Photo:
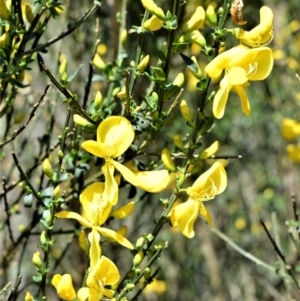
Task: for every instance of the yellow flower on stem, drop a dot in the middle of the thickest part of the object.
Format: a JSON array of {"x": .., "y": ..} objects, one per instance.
[
  {"x": 206, "y": 187},
  {"x": 114, "y": 136},
  {"x": 290, "y": 129},
  {"x": 241, "y": 65},
  {"x": 64, "y": 286},
  {"x": 293, "y": 152},
  {"x": 95, "y": 212},
  {"x": 260, "y": 35},
  {"x": 104, "y": 273},
  {"x": 153, "y": 24}
]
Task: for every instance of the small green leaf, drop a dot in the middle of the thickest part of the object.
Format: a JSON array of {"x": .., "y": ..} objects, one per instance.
[
  {"x": 74, "y": 73},
  {"x": 158, "y": 74},
  {"x": 37, "y": 278}
]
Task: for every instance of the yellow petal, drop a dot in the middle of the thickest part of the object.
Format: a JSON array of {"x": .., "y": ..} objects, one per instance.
[
  {"x": 196, "y": 21},
  {"x": 64, "y": 286},
  {"x": 290, "y": 129},
  {"x": 205, "y": 213},
  {"x": 116, "y": 236},
  {"x": 95, "y": 148},
  {"x": 209, "y": 184},
  {"x": 243, "y": 98},
  {"x": 74, "y": 215},
  {"x": 111, "y": 187},
  {"x": 95, "y": 250},
  {"x": 153, "y": 181},
  {"x": 236, "y": 76},
  {"x": 128, "y": 175},
  {"x": 116, "y": 132},
  {"x": 83, "y": 294},
  {"x": 123, "y": 211},
  {"x": 153, "y": 24},
  {"x": 184, "y": 216},
  {"x": 221, "y": 98},
  {"x": 263, "y": 58},
  {"x": 210, "y": 151}
]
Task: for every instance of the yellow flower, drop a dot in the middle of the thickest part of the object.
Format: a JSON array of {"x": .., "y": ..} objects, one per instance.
[
  {"x": 290, "y": 129},
  {"x": 104, "y": 273},
  {"x": 4, "y": 11},
  {"x": 152, "y": 181},
  {"x": 262, "y": 34},
  {"x": 293, "y": 152},
  {"x": 64, "y": 286},
  {"x": 206, "y": 187},
  {"x": 153, "y": 24},
  {"x": 153, "y": 9},
  {"x": 241, "y": 64},
  {"x": 210, "y": 151},
  {"x": 95, "y": 212},
  {"x": 114, "y": 136}
]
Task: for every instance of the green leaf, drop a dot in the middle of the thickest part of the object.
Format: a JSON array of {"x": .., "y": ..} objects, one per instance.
[
  {"x": 158, "y": 74},
  {"x": 37, "y": 278},
  {"x": 75, "y": 72}
]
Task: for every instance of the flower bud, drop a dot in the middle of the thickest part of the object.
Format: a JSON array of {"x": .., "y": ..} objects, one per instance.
[
  {"x": 197, "y": 74},
  {"x": 29, "y": 14},
  {"x": 63, "y": 67},
  {"x": 167, "y": 160},
  {"x": 36, "y": 259},
  {"x": 178, "y": 142},
  {"x": 140, "y": 243},
  {"x": 200, "y": 40},
  {"x": 147, "y": 273},
  {"x": 138, "y": 258},
  {"x": 211, "y": 15},
  {"x": 196, "y": 21},
  {"x": 129, "y": 287},
  {"x": 80, "y": 120},
  {"x": 28, "y": 297},
  {"x": 47, "y": 168},
  {"x": 98, "y": 62},
  {"x": 4, "y": 12},
  {"x": 83, "y": 242},
  {"x": 124, "y": 36},
  {"x": 179, "y": 80},
  {"x": 152, "y": 8},
  {"x": 185, "y": 111},
  {"x": 56, "y": 192},
  {"x": 143, "y": 64},
  {"x": 153, "y": 24},
  {"x": 43, "y": 238},
  {"x": 98, "y": 101},
  {"x": 4, "y": 40}
]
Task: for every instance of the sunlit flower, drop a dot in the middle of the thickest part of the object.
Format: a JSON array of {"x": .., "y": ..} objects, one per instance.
[
  {"x": 196, "y": 21},
  {"x": 241, "y": 65},
  {"x": 206, "y": 187},
  {"x": 95, "y": 212},
  {"x": 153, "y": 24},
  {"x": 262, "y": 34},
  {"x": 290, "y": 129},
  {"x": 64, "y": 286},
  {"x": 104, "y": 273},
  {"x": 114, "y": 136},
  {"x": 152, "y": 181},
  {"x": 157, "y": 286}
]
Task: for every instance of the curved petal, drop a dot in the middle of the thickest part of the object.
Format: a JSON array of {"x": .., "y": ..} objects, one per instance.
[
  {"x": 123, "y": 211},
  {"x": 116, "y": 236},
  {"x": 153, "y": 181},
  {"x": 105, "y": 271},
  {"x": 111, "y": 187},
  {"x": 205, "y": 213},
  {"x": 209, "y": 184},
  {"x": 210, "y": 151},
  {"x": 221, "y": 98},
  {"x": 184, "y": 215},
  {"x": 95, "y": 250},
  {"x": 116, "y": 132},
  {"x": 128, "y": 175},
  {"x": 264, "y": 60},
  {"x": 93, "y": 193},
  {"x": 74, "y": 215},
  {"x": 65, "y": 289},
  {"x": 95, "y": 148},
  {"x": 243, "y": 98}
]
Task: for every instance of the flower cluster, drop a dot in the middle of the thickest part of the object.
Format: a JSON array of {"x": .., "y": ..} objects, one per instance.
[
  {"x": 114, "y": 136},
  {"x": 249, "y": 61}
]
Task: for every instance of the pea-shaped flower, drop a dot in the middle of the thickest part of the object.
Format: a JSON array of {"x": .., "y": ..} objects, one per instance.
[
  {"x": 241, "y": 65},
  {"x": 207, "y": 186},
  {"x": 114, "y": 136},
  {"x": 64, "y": 286}
]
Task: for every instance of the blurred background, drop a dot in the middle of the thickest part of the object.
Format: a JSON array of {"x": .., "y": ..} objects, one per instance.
[{"x": 260, "y": 183}]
